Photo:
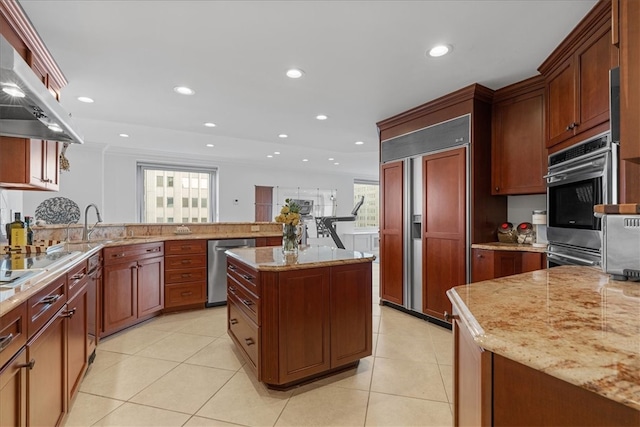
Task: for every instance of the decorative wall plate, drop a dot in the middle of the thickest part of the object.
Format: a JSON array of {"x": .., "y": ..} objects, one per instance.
[{"x": 58, "y": 210}]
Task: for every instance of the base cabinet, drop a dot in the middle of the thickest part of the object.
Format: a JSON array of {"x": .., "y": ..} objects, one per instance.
[
  {"x": 13, "y": 391},
  {"x": 294, "y": 325},
  {"x": 489, "y": 264},
  {"x": 185, "y": 274}
]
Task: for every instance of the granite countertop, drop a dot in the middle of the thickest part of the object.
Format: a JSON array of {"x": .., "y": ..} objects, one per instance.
[
  {"x": 271, "y": 258},
  {"x": 132, "y": 240},
  {"x": 571, "y": 322},
  {"x": 501, "y": 246}
]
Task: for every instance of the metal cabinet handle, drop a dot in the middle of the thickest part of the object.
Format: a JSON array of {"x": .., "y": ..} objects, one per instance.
[
  {"x": 77, "y": 276},
  {"x": 249, "y": 341},
  {"x": 153, "y": 250},
  {"x": 247, "y": 302},
  {"x": 186, "y": 261},
  {"x": 232, "y": 267},
  {"x": 233, "y": 321},
  {"x": 50, "y": 299},
  {"x": 450, "y": 317},
  {"x": 29, "y": 365},
  {"x": 232, "y": 289},
  {"x": 120, "y": 255},
  {"x": 247, "y": 277},
  {"x": 5, "y": 341},
  {"x": 69, "y": 313},
  {"x": 185, "y": 275},
  {"x": 186, "y": 294}
]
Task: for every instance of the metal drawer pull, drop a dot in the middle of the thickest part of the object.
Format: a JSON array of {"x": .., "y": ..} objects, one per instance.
[
  {"x": 49, "y": 299},
  {"x": 153, "y": 250},
  {"x": 249, "y": 341},
  {"x": 77, "y": 276},
  {"x": 233, "y": 321},
  {"x": 68, "y": 314},
  {"x": 29, "y": 365},
  {"x": 247, "y": 277},
  {"x": 449, "y": 317},
  {"x": 185, "y": 247},
  {"x": 247, "y": 302},
  {"x": 232, "y": 289},
  {"x": 232, "y": 267},
  {"x": 5, "y": 341},
  {"x": 186, "y": 261},
  {"x": 186, "y": 294},
  {"x": 185, "y": 275},
  {"x": 118, "y": 255}
]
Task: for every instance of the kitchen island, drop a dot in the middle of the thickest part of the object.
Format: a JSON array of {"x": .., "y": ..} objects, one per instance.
[
  {"x": 559, "y": 346},
  {"x": 295, "y": 318}
]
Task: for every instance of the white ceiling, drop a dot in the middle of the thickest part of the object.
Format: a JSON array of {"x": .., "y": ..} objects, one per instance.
[{"x": 364, "y": 62}]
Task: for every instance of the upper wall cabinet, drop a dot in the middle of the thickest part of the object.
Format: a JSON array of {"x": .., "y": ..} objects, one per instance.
[
  {"x": 577, "y": 80},
  {"x": 518, "y": 154}
]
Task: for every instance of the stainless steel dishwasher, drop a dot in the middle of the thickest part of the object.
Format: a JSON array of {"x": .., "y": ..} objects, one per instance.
[{"x": 217, "y": 268}]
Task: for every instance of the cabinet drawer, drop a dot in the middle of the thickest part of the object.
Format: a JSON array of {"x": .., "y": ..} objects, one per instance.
[
  {"x": 244, "y": 275},
  {"x": 181, "y": 247},
  {"x": 45, "y": 304},
  {"x": 247, "y": 302},
  {"x": 13, "y": 332},
  {"x": 185, "y": 261},
  {"x": 184, "y": 294},
  {"x": 125, "y": 253},
  {"x": 185, "y": 275},
  {"x": 76, "y": 278},
  {"x": 245, "y": 333}
]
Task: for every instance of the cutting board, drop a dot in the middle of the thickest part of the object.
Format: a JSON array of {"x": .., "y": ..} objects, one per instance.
[{"x": 625, "y": 208}]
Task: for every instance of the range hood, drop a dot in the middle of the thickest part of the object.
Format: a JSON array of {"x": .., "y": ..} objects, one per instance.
[{"x": 27, "y": 108}]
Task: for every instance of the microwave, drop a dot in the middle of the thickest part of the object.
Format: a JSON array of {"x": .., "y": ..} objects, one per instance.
[{"x": 621, "y": 246}]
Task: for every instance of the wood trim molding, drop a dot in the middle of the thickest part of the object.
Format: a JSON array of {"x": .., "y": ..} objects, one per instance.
[
  {"x": 520, "y": 88},
  {"x": 21, "y": 24},
  {"x": 599, "y": 15}
]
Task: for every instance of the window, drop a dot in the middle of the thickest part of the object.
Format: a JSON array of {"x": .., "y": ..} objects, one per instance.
[
  {"x": 368, "y": 212},
  {"x": 196, "y": 192}
]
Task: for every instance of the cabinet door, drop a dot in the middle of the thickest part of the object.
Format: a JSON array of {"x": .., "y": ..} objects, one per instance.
[
  {"x": 13, "y": 391},
  {"x": 47, "y": 380},
  {"x": 561, "y": 103},
  {"x": 304, "y": 324},
  {"x": 77, "y": 346},
  {"x": 482, "y": 265},
  {"x": 391, "y": 231},
  {"x": 51, "y": 165},
  {"x": 507, "y": 263},
  {"x": 518, "y": 146},
  {"x": 150, "y": 286},
  {"x": 444, "y": 228},
  {"x": 120, "y": 296},
  {"x": 350, "y": 313}
]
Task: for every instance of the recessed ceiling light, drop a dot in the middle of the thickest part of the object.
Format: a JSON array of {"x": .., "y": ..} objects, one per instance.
[
  {"x": 13, "y": 90},
  {"x": 305, "y": 160},
  {"x": 270, "y": 156},
  {"x": 440, "y": 50},
  {"x": 336, "y": 163},
  {"x": 54, "y": 127},
  {"x": 359, "y": 142},
  {"x": 295, "y": 73},
  {"x": 321, "y": 117},
  {"x": 183, "y": 90},
  {"x": 210, "y": 125},
  {"x": 85, "y": 99},
  {"x": 331, "y": 159},
  {"x": 283, "y": 135},
  {"x": 124, "y": 135},
  {"x": 276, "y": 152},
  {"x": 210, "y": 145}
]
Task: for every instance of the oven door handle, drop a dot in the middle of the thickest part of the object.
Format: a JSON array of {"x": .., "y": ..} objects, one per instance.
[
  {"x": 571, "y": 169},
  {"x": 571, "y": 257}
]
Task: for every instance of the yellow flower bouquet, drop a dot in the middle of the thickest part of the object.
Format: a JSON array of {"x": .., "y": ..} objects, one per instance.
[{"x": 291, "y": 227}]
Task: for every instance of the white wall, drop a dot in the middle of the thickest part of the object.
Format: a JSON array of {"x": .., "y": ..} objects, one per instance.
[
  {"x": 107, "y": 177},
  {"x": 519, "y": 208}
]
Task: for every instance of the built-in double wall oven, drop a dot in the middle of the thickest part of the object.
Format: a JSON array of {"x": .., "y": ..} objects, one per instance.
[{"x": 579, "y": 177}]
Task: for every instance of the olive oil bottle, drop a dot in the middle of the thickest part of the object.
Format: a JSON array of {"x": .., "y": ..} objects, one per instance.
[{"x": 18, "y": 232}]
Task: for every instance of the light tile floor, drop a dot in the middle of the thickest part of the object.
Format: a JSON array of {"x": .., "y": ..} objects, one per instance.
[{"x": 183, "y": 370}]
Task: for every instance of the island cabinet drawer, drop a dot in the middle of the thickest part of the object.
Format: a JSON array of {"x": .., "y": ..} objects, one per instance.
[
  {"x": 181, "y": 247},
  {"x": 247, "y": 302},
  {"x": 42, "y": 306},
  {"x": 183, "y": 294},
  {"x": 76, "y": 278},
  {"x": 136, "y": 252},
  {"x": 245, "y": 333},
  {"x": 185, "y": 275},
  {"x": 13, "y": 332},
  {"x": 185, "y": 261},
  {"x": 244, "y": 275}
]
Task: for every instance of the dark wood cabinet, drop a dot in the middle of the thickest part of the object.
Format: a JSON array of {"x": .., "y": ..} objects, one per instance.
[
  {"x": 443, "y": 228},
  {"x": 29, "y": 164},
  {"x": 518, "y": 153},
  {"x": 13, "y": 391},
  {"x": 133, "y": 285},
  {"x": 489, "y": 264},
  {"x": 185, "y": 274},
  {"x": 391, "y": 231},
  {"x": 577, "y": 80},
  {"x": 268, "y": 241},
  {"x": 77, "y": 327},
  {"x": 294, "y": 325}
]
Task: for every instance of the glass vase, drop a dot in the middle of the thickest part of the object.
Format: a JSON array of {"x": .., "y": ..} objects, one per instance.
[{"x": 290, "y": 239}]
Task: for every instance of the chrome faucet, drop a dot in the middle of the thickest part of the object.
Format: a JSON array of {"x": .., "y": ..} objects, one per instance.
[{"x": 85, "y": 231}]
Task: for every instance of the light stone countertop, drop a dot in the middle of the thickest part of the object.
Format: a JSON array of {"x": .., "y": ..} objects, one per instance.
[
  {"x": 271, "y": 258},
  {"x": 501, "y": 246},
  {"x": 573, "y": 323}
]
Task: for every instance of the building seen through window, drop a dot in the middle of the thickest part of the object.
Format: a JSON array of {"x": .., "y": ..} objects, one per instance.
[{"x": 368, "y": 212}]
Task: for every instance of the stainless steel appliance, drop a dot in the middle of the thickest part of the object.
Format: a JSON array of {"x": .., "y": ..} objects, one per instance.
[
  {"x": 622, "y": 246},
  {"x": 217, "y": 268},
  {"x": 579, "y": 178}
]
